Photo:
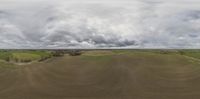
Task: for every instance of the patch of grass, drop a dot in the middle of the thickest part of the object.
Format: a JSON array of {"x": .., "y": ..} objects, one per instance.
[
  {"x": 195, "y": 55},
  {"x": 5, "y": 55},
  {"x": 98, "y": 53},
  {"x": 4, "y": 65},
  {"x": 133, "y": 52},
  {"x": 191, "y": 53},
  {"x": 41, "y": 53},
  {"x": 25, "y": 57}
]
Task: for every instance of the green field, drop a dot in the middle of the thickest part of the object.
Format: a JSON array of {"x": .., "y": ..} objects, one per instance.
[
  {"x": 23, "y": 56},
  {"x": 102, "y": 74}
]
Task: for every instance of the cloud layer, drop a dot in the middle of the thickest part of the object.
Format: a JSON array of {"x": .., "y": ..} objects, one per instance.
[{"x": 105, "y": 24}]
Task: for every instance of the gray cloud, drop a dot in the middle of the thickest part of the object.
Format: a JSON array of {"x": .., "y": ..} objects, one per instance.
[{"x": 105, "y": 24}]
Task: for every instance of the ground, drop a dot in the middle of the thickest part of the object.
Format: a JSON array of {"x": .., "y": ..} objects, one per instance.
[{"x": 108, "y": 74}]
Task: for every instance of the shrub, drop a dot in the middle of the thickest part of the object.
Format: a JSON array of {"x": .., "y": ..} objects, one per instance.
[
  {"x": 182, "y": 52},
  {"x": 57, "y": 53},
  {"x": 75, "y": 53}
]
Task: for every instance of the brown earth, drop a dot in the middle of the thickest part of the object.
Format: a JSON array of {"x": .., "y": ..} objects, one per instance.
[{"x": 114, "y": 77}]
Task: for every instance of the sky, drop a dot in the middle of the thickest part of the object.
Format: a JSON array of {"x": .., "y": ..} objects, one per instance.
[{"x": 46, "y": 24}]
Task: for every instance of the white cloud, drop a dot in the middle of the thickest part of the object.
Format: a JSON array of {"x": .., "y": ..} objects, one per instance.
[{"x": 94, "y": 24}]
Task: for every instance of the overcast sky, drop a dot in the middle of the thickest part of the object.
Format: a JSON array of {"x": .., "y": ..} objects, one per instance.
[{"x": 99, "y": 24}]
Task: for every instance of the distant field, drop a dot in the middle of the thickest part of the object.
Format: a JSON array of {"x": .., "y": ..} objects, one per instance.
[
  {"x": 102, "y": 74},
  {"x": 23, "y": 56}
]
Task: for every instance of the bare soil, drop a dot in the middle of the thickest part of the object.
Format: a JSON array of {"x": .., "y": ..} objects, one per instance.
[{"x": 121, "y": 76}]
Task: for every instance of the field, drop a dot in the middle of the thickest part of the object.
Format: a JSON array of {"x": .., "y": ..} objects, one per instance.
[
  {"x": 23, "y": 56},
  {"x": 101, "y": 74}
]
